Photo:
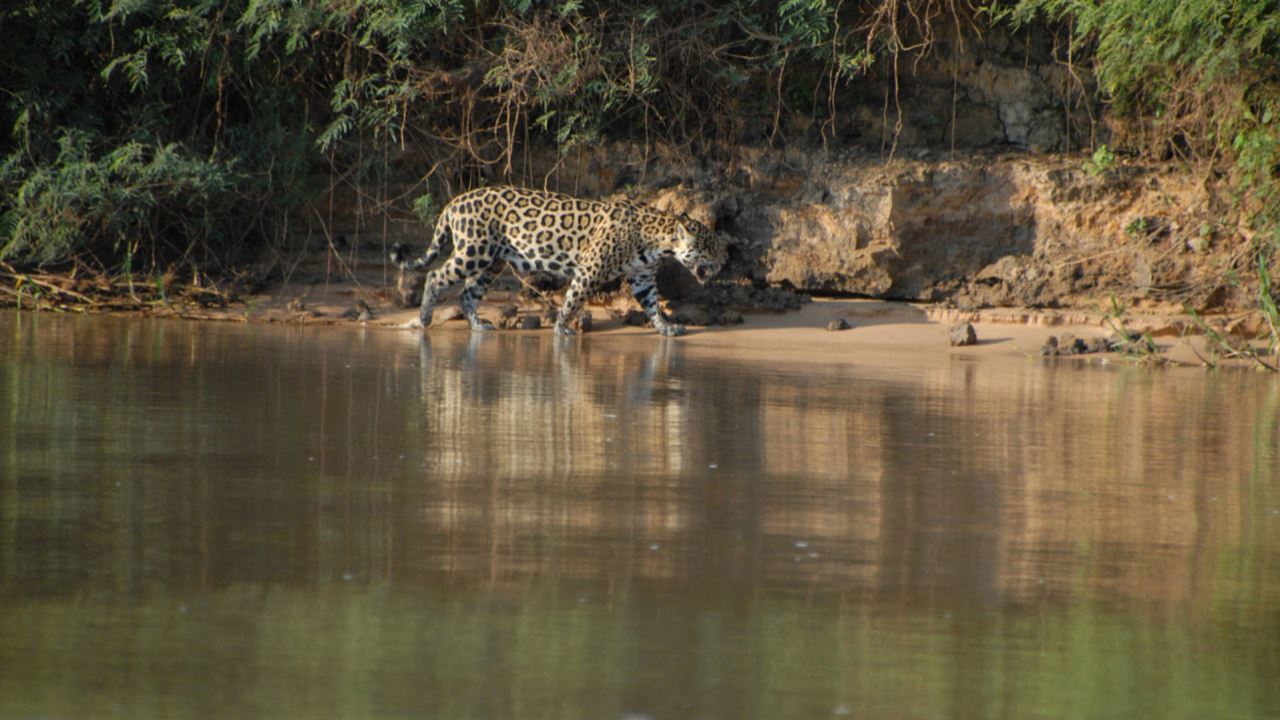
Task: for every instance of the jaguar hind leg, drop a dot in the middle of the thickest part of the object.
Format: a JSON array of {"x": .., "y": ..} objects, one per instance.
[
  {"x": 453, "y": 271},
  {"x": 431, "y": 287},
  {"x": 473, "y": 291}
]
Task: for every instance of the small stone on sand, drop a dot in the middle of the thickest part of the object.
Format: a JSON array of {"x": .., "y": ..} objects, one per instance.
[{"x": 962, "y": 334}]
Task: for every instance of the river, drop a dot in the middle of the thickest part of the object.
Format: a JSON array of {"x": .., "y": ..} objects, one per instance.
[{"x": 213, "y": 520}]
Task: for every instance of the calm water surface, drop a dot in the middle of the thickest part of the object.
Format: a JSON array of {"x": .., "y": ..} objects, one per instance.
[{"x": 223, "y": 521}]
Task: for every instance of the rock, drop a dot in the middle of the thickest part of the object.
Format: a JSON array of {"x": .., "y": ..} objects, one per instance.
[
  {"x": 1135, "y": 344},
  {"x": 730, "y": 317},
  {"x": 1069, "y": 344},
  {"x": 509, "y": 317},
  {"x": 530, "y": 322},
  {"x": 753, "y": 297},
  {"x": 699, "y": 315},
  {"x": 962, "y": 334},
  {"x": 837, "y": 325},
  {"x": 704, "y": 315},
  {"x": 977, "y": 125},
  {"x": 584, "y": 322},
  {"x": 361, "y": 313},
  {"x": 635, "y": 318}
]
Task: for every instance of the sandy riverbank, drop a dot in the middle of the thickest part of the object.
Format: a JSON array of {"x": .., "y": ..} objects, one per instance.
[{"x": 879, "y": 331}]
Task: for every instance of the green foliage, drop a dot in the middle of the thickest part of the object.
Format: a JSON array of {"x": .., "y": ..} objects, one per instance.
[
  {"x": 424, "y": 206},
  {"x": 107, "y": 201},
  {"x": 1101, "y": 162},
  {"x": 1137, "y": 227},
  {"x": 1206, "y": 74},
  {"x": 1149, "y": 50},
  {"x": 1141, "y": 347},
  {"x": 191, "y": 129}
]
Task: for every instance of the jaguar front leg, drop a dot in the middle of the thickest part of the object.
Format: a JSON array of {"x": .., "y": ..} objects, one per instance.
[
  {"x": 645, "y": 289},
  {"x": 579, "y": 290},
  {"x": 589, "y": 275}
]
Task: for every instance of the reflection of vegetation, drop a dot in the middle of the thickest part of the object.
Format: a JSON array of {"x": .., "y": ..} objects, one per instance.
[{"x": 379, "y": 652}]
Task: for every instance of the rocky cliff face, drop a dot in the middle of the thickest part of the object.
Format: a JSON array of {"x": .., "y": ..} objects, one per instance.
[
  {"x": 982, "y": 230},
  {"x": 1006, "y": 91}
]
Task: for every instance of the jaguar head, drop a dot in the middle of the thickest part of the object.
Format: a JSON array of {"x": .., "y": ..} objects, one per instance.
[{"x": 698, "y": 249}]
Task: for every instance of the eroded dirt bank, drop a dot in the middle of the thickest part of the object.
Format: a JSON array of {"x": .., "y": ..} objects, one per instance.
[
  {"x": 1042, "y": 241},
  {"x": 1008, "y": 236},
  {"x": 983, "y": 231}
]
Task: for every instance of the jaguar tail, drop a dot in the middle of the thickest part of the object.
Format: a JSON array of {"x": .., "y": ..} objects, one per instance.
[{"x": 400, "y": 256}]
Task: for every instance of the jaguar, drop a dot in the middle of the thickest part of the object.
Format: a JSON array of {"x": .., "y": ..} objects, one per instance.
[{"x": 587, "y": 242}]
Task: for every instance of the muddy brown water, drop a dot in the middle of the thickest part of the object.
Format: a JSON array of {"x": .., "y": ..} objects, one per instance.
[{"x": 217, "y": 520}]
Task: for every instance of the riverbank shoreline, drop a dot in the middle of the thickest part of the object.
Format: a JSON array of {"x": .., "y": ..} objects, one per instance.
[{"x": 873, "y": 331}]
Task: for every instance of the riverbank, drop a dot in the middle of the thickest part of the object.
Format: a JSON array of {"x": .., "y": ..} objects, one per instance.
[
  {"x": 358, "y": 288},
  {"x": 877, "y": 331}
]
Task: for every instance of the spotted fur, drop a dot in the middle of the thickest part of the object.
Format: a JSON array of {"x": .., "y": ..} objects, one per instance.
[{"x": 588, "y": 242}]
